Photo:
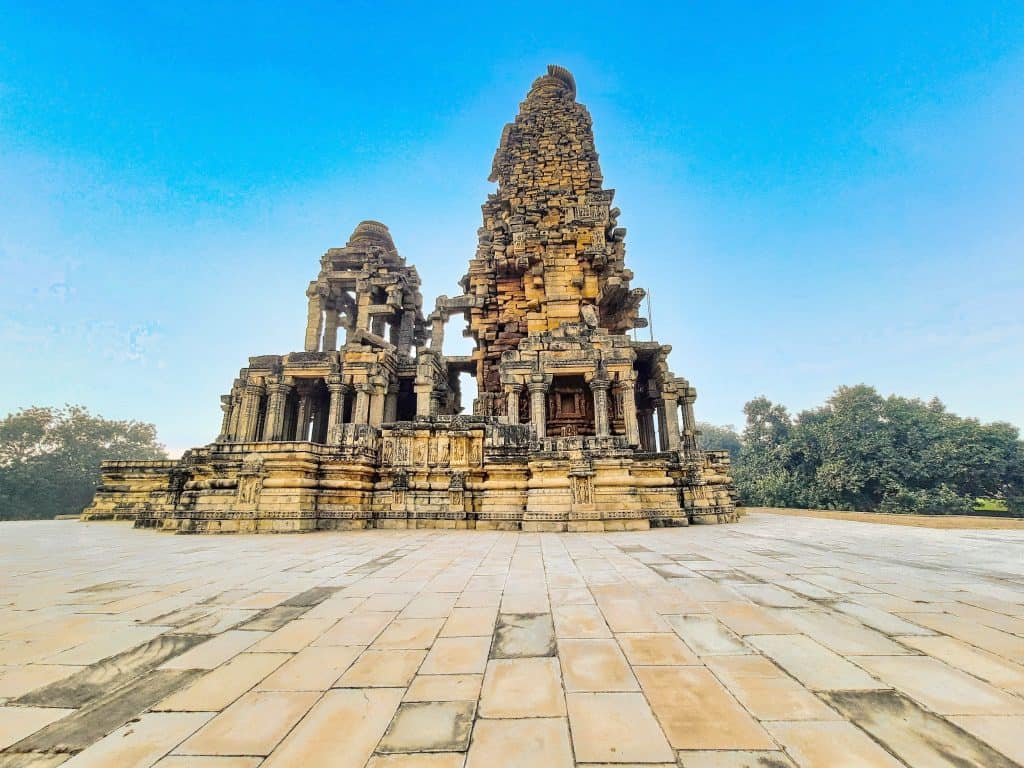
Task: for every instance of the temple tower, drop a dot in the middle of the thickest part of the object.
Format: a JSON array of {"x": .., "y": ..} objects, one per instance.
[{"x": 549, "y": 247}]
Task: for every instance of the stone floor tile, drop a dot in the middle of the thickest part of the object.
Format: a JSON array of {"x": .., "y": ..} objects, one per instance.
[
  {"x": 841, "y": 634},
  {"x": 754, "y": 665},
  {"x": 989, "y": 667},
  {"x": 386, "y": 602},
  {"x": 777, "y": 698},
  {"x": 490, "y": 598},
  {"x": 218, "y": 688},
  {"x": 17, "y": 681},
  {"x": 429, "y": 607},
  {"x": 312, "y": 669},
  {"x": 579, "y": 621},
  {"x": 916, "y": 736},
  {"x": 940, "y": 687},
  {"x": 595, "y": 665},
  {"x": 515, "y": 688},
  {"x": 527, "y": 743},
  {"x": 262, "y": 600},
  {"x": 444, "y": 688},
  {"x": 879, "y": 619},
  {"x": 457, "y": 656},
  {"x": 382, "y": 669},
  {"x": 749, "y": 619},
  {"x": 645, "y": 649},
  {"x": 293, "y": 636},
  {"x": 356, "y": 629},
  {"x": 771, "y": 596},
  {"x": 831, "y": 744},
  {"x": 520, "y": 635},
  {"x": 615, "y": 728},
  {"x": 525, "y": 602},
  {"x": 141, "y": 742},
  {"x": 214, "y": 651},
  {"x": 706, "y": 635},
  {"x": 429, "y": 726},
  {"x": 321, "y": 741},
  {"x": 696, "y": 711},
  {"x": 117, "y": 639},
  {"x": 409, "y": 633},
  {"x": 470, "y": 622},
  {"x": 734, "y": 759},
  {"x": 193, "y": 761},
  {"x": 812, "y": 664},
  {"x": 999, "y": 731},
  {"x": 628, "y": 614},
  {"x": 253, "y": 725},
  {"x": 993, "y": 640},
  {"x": 18, "y": 722},
  {"x": 422, "y": 760}
]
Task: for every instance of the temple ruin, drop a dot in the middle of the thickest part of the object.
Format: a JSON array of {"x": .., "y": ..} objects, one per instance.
[{"x": 576, "y": 425}]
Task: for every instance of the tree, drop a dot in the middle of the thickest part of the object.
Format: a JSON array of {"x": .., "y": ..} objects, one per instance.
[
  {"x": 715, "y": 438},
  {"x": 50, "y": 458},
  {"x": 863, "y": 451}
]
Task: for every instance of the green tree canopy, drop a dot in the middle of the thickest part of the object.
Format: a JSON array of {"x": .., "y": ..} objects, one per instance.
[
  {"x": 50, "y": 458},
  {"x": 863, "y": 451},
  {"x": 715, "y": 438}
]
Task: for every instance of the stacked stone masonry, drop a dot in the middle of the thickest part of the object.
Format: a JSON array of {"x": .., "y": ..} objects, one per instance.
[{"x": 576, "y": 426}]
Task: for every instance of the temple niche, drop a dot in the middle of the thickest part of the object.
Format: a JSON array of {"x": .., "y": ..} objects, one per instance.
[{"x": 576, "y": 426}]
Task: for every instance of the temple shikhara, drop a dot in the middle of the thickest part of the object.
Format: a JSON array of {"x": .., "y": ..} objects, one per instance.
[{"x": 576, "y": 425}]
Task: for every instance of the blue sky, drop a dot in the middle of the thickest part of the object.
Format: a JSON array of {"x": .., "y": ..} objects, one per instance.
[{"x": 816, "y": 193}]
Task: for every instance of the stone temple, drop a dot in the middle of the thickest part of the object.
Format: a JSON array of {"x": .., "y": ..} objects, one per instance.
[{"x": 576, "y": 426}]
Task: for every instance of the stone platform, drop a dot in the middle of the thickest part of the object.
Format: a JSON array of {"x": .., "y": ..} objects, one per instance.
[{"x": 778, "y": 641}]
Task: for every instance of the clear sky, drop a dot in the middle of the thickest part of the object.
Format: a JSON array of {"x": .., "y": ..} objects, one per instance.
[{"x": 816, "y": 193}]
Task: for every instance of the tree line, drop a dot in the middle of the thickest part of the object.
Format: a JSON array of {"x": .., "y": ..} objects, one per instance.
[
  {"x": 861, "y": 451},
  {"x": 50, "y": 458}
]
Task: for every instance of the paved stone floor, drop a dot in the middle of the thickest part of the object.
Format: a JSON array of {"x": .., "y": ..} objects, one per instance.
[{"x": 778, "y": 641}]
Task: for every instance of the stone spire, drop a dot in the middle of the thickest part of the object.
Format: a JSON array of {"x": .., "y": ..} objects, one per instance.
[{"x": 549, "y": 251}]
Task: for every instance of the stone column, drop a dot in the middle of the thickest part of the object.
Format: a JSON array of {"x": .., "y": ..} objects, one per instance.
[
  {"x": 225, "y": 423},
  {"x": 250, "y": 412},
  {"x": 599, "y": 388},
  {"x": 236, "y": 415},
  {"x": 391, "y": 405},
  {"x": 330, "y": 330},
  {"x": 689, "y": 424},
  {"x": 302, "y": 419},
  {"x": 338, "y": 391},
  {"x": 538, "y": 406},
  {"x": 314, "y": 320},
  {"x": 277, "y": 398},
  {"x": 377, "y": 393},
  {"x": 670, "y": 423},
  {"x": 626, "y": 390},
  {"x": 437, "y": 332},
  {"x": 659, "y": 412},
  {"x": 405, "y": 333},
  {"x": 512, "y": 402},
  {"x": 361, "y": 412}
]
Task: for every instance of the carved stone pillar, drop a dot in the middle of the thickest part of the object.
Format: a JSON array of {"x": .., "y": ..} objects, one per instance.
[
  {"x": 277, "y": 397},
  {"x": 689, "y": 396},
  {"x": 225, "y": 423},
  {"x": 538, "y": 405},
  {"x": 424, "y": 397},
  {"x": 338, "y": 391},
  {"x": 250, "y": 411},
  {"x": 599, "y": 388},
  {"x": 626, "y": 391},
  {"x": 437, "y": 332},
  {"x": 302, "y": 419},
  {"x": 330, "y": 330},
  {"x": 361, "y": 412},
  {"x": 670, "y": 422},
  {"x": 378, "y": 391},
  {"x": 236, "y": 414},
  {"x": 512, "y": 402},
  {"x": 659, "y": 414},
  {"x": 314, "y": 320},
  {"x": 391, "y": 405}
]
